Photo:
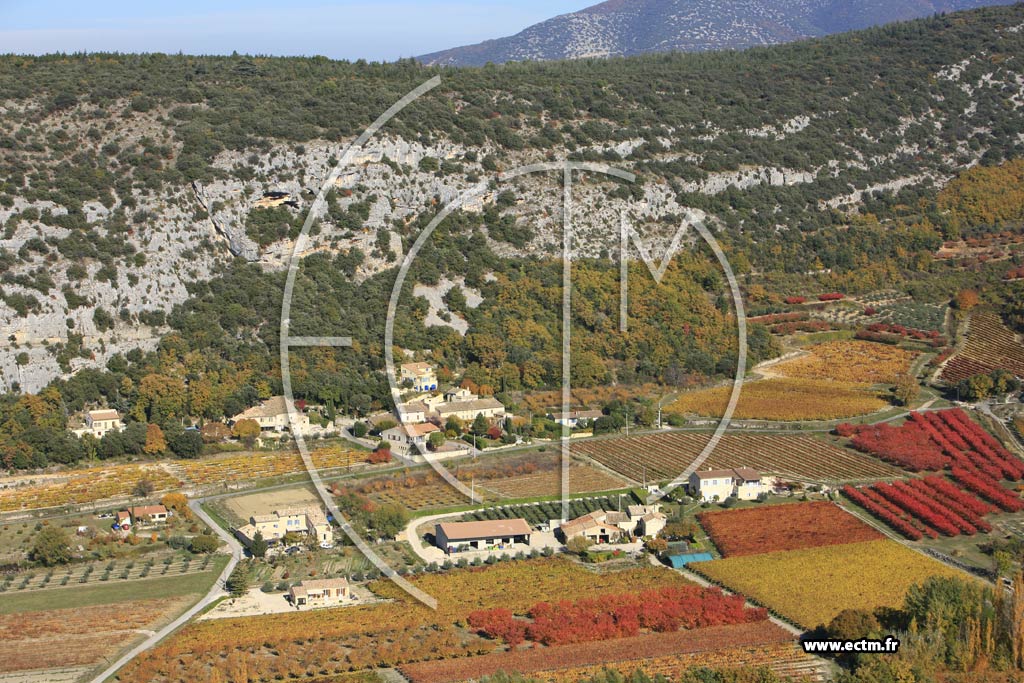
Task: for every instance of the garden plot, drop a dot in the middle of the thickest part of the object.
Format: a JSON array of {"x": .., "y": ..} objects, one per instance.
[{"x": 264, "y": 503}]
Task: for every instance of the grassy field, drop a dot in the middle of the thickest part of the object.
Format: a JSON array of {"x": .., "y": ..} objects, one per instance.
[{"x": 164, "y": 587}]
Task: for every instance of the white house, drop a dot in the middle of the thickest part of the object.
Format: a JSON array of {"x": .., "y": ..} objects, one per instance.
[
  {"x": 421, "y": 375},
  {"x": 460, "y": 394},
  {"x": 413, "y": 411},
  {"x": 574, "y": 417},
  {"x": 409, "y": 439},
  {"x": 717, "y": 485},
  {"x": 100, "y": 422}
]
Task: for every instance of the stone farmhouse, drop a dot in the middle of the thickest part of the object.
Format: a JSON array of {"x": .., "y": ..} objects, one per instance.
[
  {"x": 272, "y": 416},
  {"x": 142, "y": 515},
  {"x": 409, "y": 439},
  {"x": 601, "y": 526}
]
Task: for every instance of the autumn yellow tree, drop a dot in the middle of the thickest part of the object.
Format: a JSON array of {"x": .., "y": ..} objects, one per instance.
[
  {"x": 966, "y": 300},
  {"x": 906, "y": 390},
  {"x": 159, "y": 397},
  {"x": 246, "y": 430},
  {"x": 155, "y": 441}
]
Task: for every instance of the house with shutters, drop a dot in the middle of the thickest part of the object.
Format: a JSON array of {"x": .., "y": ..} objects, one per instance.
[
  {"x": 98, "y": 423},
  {"x": 717, "y": 485},
  {"x": 421, "y": 375},
  {"x": 319, "y": 593}
]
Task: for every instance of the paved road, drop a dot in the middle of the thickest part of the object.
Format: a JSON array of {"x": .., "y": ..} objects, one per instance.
[{"x": 217, "y": 591}]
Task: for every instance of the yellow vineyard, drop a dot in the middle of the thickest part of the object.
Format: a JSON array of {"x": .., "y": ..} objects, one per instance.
[
  {"x": 850, "y": 361},
  {"x": 783, "y": 399},
  {"x": 83, "y": 486},
  {"x": 251, "y": 466},
  {"x": 810, "y": 587},
  {"x": 77, "y": 487}
]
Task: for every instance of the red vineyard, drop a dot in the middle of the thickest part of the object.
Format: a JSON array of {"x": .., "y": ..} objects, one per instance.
[
  {"x": 617, "y": 616},
  {"x": 934, "y": 505},
  {"x": 935, "y": 441},
  {"x": 772, "y": 528}
]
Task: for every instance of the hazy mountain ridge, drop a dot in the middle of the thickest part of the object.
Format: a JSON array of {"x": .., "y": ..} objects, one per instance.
[{"x": 631, "y": 27}]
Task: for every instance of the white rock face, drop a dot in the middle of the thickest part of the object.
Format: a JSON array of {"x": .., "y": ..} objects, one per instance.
[{"x": 191, "y": 233}]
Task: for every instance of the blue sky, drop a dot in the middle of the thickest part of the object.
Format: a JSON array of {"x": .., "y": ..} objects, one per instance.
[{"x": 344, "y": 29}]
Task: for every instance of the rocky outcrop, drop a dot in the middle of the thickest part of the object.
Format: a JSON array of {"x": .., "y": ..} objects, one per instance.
[{"x": 238, "y": 243}]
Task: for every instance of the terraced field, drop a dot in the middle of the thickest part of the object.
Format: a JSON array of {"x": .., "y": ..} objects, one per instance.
[
  {"x": 77, "y": 487},
  {"x": 264, "y": 465},
  {"x": 801, "y": 458}
]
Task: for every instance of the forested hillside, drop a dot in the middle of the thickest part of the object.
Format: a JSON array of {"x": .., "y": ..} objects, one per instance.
[{"x": 144, "y": 233}]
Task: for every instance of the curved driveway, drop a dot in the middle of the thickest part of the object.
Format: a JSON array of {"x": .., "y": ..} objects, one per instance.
[{"x": 217, "y": 591}]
